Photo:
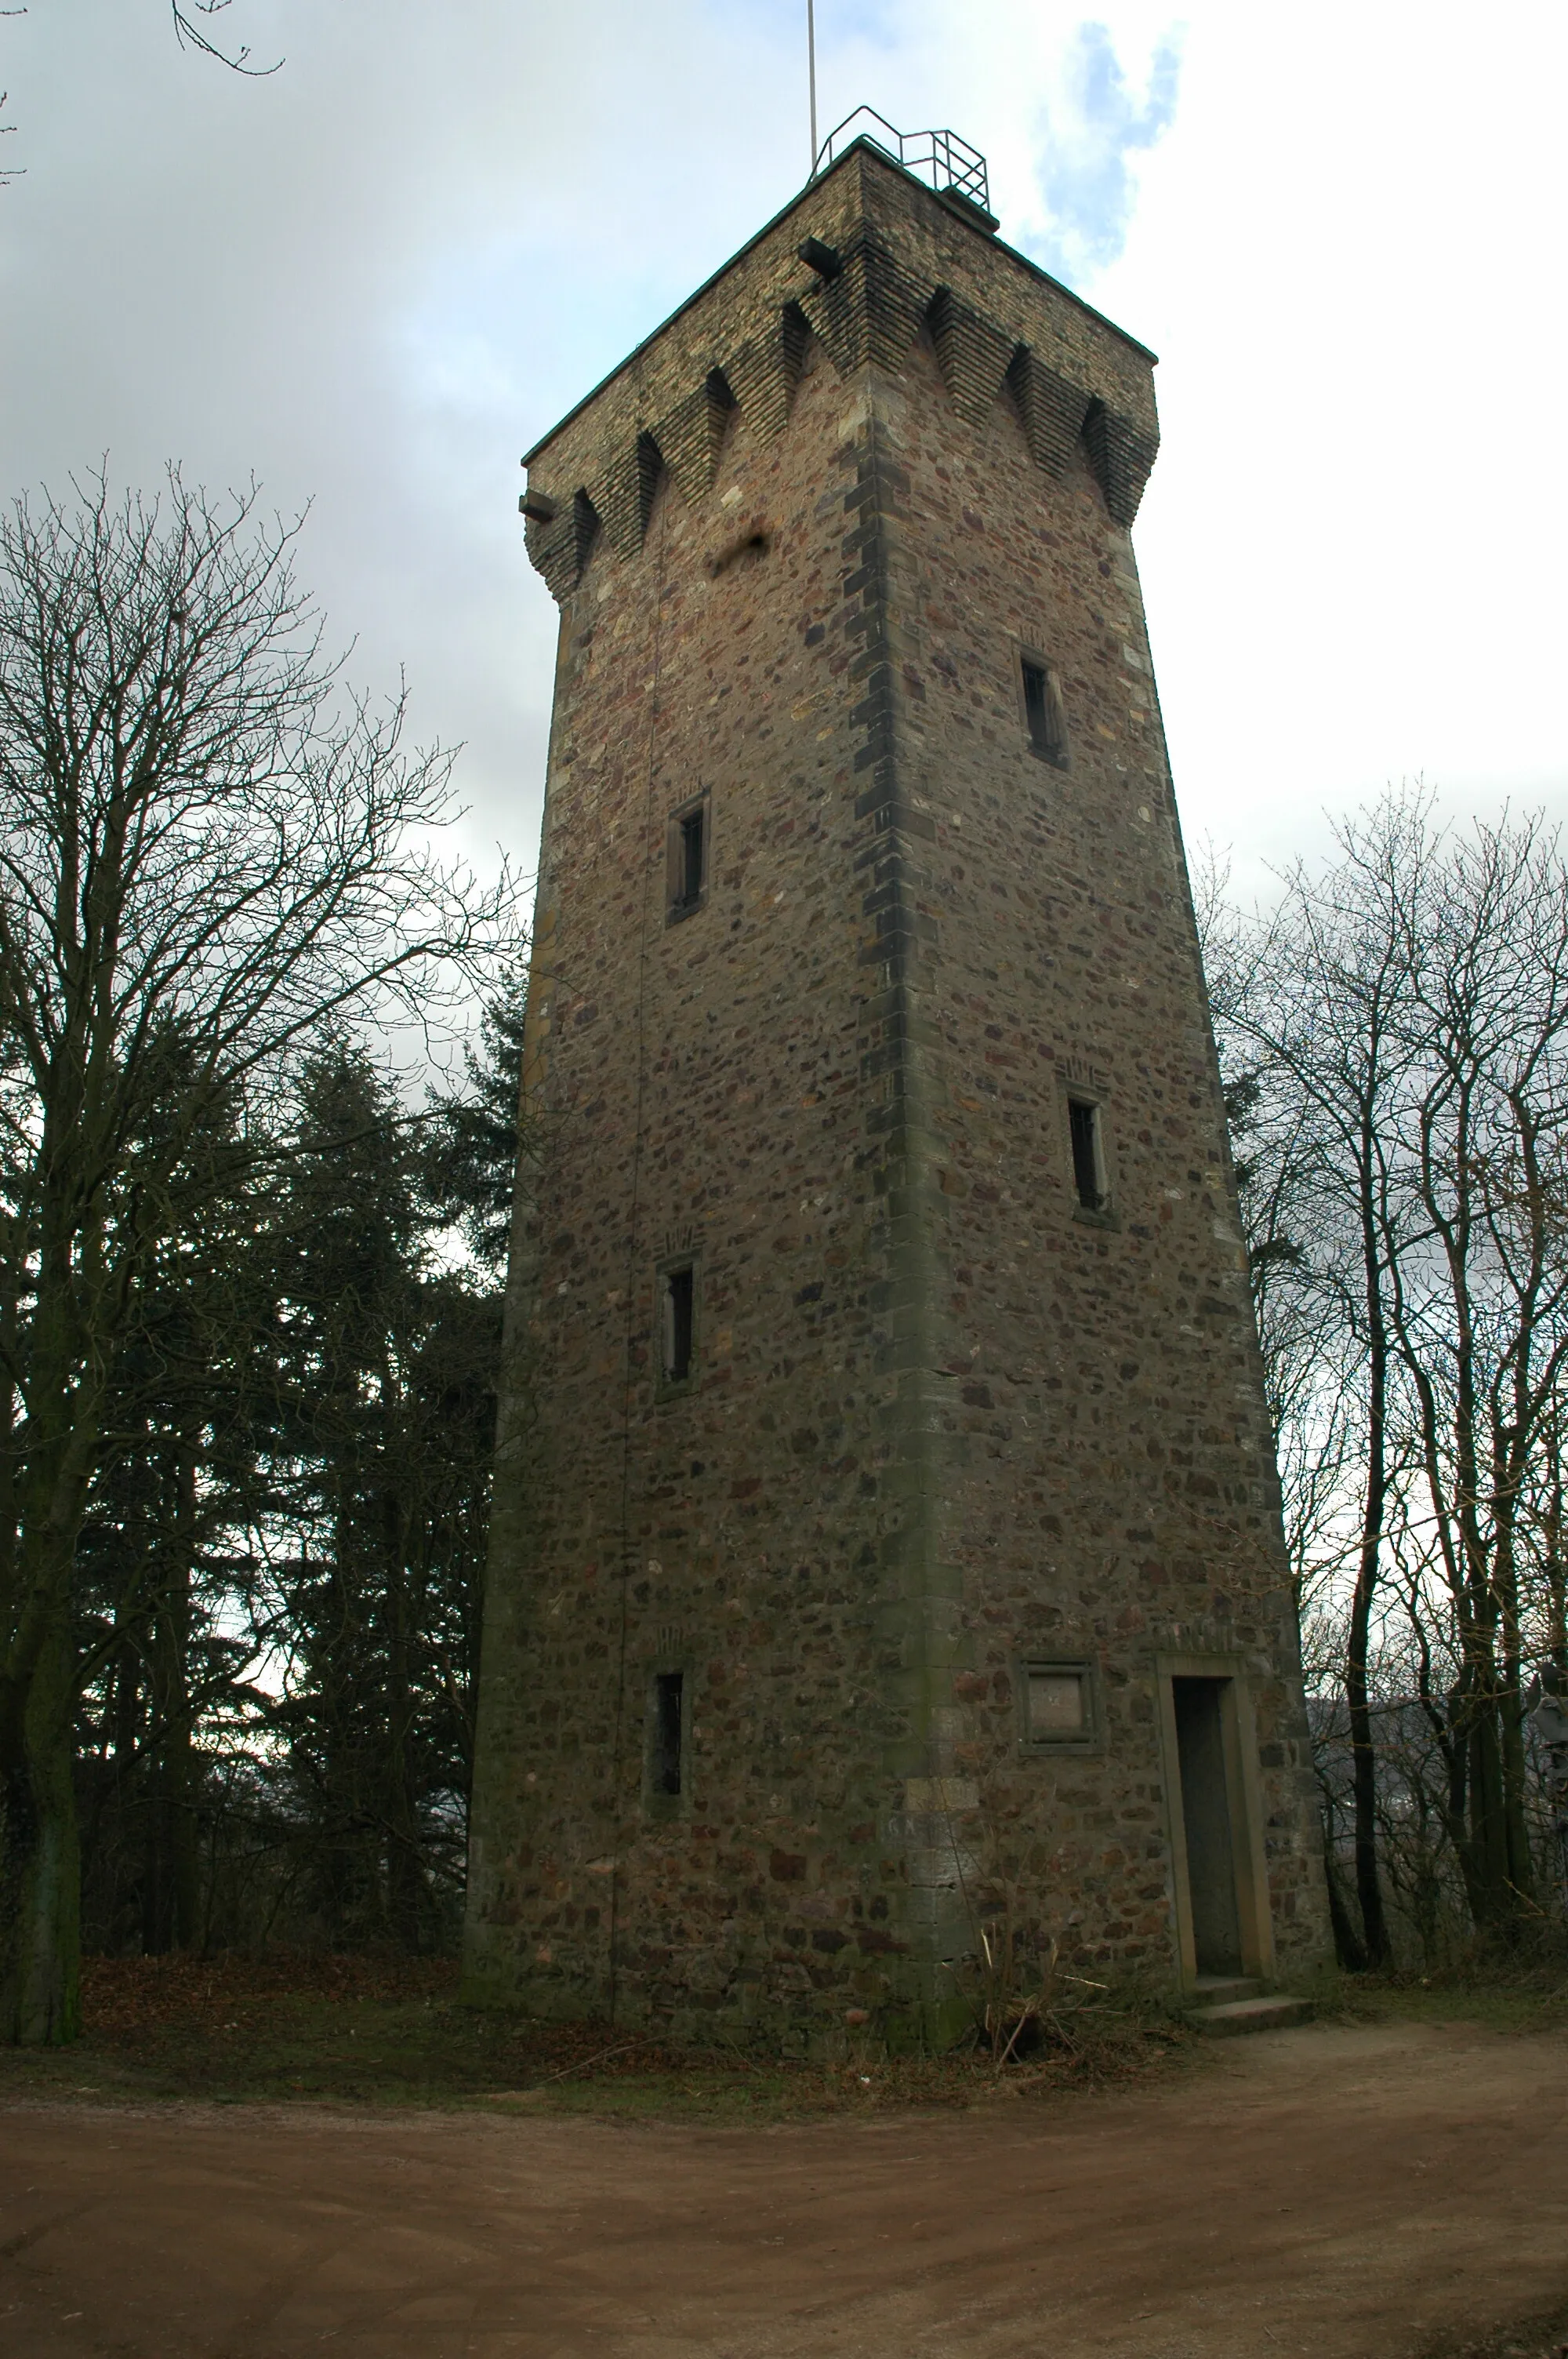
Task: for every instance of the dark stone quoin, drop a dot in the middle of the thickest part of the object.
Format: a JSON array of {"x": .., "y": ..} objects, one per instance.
[{"x": 886, "y": 1533}]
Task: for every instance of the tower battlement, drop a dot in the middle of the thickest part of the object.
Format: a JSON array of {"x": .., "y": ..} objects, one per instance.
[
  {"x": 895, "y": 260},
  {"x": 886, "y": 1535}
]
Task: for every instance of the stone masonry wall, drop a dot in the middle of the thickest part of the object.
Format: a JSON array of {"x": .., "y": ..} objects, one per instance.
[
  {"x": 1104, "y": 1481},
  {"x": 938, "y": 1425}
]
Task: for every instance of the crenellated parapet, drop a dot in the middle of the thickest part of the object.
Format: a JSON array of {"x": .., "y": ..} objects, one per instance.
[{"x": 867, "y": 263}]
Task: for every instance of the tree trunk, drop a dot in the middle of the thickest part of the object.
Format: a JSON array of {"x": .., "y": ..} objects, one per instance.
[
  {"x": 41, "y": 1875},
  {"x": 405, "y": 1867},
  {"x": 172, "y": 1905},
  {"x": 121, "y": 1793},
  {"x": 1348, "y": 1946},
  {"x": 1363, "y": 1758},
  {"x": 1491, "y": 1900},
  {"x": 1510, "y": 1734}
]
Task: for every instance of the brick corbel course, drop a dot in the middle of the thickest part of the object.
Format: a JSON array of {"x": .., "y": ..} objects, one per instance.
[
  {"x": 760, "y": 373},
  {"x": 690, "y": 451},
  {"x": 628, "y": 495},
  {"x": 1121, "y": 458},
  {"x": 972, "y": 353},
  {"x": 691, "y": 436},
  {"x": 560, "y": 549},
  {"x": 870, "y": 313},
  {"x": 1051, "y": 409}
]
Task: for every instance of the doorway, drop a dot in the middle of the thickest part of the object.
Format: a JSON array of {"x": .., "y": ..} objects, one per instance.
[{"x": 1208, "y": 1822}]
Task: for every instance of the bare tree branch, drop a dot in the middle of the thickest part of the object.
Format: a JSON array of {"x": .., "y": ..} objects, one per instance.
[{"x": 190, "y": 35}]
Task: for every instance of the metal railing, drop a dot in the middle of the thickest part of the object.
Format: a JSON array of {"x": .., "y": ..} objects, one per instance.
[{"x": 939, "y": 157}]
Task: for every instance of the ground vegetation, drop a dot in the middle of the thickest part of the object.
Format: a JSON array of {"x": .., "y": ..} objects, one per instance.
[{"x": 383, "y": 2029}]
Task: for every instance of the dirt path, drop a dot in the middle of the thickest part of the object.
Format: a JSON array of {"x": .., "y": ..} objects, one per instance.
[{"x": 1353, "y": 2193}]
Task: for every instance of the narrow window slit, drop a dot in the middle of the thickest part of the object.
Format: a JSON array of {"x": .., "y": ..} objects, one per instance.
[
  {"x": 689, "y": 845},
  {"x": 1088, "y": 1161},
  {"x": 691, "y": 859},
  {"x": 676, "y": 1322},
  {"x": 1042, "y": 713},
  {"x": 669, "y": 1689}
]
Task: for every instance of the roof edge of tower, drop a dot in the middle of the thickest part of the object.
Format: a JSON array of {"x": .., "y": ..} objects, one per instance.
[{"x": 864, "y": 146}]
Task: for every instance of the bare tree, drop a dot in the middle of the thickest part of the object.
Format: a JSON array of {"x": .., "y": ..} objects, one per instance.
[
  {"x": 1479, "y": 1298},
  {"x": 209, "y": 852},
  {"x": 1315, "y": 1000},
  {"x": 1398, "y": 1023}
]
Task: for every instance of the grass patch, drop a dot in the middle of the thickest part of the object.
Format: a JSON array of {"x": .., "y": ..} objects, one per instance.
[
  {"x": 1527, "y": 1993},
  {"x": 367, "y": 2032}
]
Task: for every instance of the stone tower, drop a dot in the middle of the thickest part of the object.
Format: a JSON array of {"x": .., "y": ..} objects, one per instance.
[{"x": 886, "y": 1533}]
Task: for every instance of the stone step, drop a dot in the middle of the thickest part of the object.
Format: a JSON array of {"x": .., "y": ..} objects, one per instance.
[
  {"x": 1218, "y": 1990},
  {"x": 1234, "y": 2016}
]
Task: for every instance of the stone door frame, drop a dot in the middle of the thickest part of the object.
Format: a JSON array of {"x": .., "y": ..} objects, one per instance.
[{"x": 1243, "y": 1793}]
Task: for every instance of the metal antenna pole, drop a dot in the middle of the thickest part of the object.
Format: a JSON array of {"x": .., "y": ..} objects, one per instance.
[{"x": 811, "y": 75}]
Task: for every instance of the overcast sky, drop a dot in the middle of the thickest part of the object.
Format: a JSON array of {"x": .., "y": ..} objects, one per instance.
[{"x": 376, "y": 277}]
